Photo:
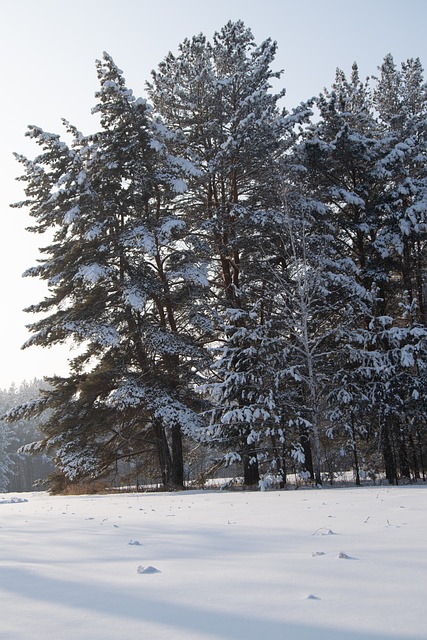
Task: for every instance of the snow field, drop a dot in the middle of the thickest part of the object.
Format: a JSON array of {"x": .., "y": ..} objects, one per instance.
[{"x": 229, "y": 565}]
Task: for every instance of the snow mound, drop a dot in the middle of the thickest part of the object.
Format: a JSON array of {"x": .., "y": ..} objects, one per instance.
[
  {"x": 323, "y": 531},
  {"x": 312, "y": 597},
  {"x": 135, "y": 543},
  {"x": 345, "y": 556},
  {"x": 13, "y": 500},
  {"x": 148, "y": 569}
]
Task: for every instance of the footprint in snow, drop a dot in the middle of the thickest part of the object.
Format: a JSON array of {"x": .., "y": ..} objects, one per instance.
[
  {"x": 135, "y": 543},
  {"x": 318, "y": 553}
]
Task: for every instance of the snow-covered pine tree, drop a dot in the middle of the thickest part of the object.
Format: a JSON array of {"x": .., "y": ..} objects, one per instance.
[
  {"x": 335, "y": 163},
  {"x": 355, "y": 167},
  {"x": 401, "y": 100},
  {"x": 342, "y": 153},
  {"x": 216, "y": 98},
  {"x": 400, "y": 96},
  {"x": 381, "y": 394},
  {"x": 245, "y": 415},
  {"x": 121, "y": 280},
  {"x": 317, "y": 303}
]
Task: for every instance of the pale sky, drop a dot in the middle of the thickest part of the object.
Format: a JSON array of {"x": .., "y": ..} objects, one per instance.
[{"x": 48, "y": 49}]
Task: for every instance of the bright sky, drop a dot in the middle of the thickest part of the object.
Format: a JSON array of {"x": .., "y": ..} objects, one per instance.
[{"x": 48, "y": 49}]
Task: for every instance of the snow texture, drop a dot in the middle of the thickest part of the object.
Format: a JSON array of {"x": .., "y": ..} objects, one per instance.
[
  {"x": 226, "y": 566},
  {"x": 92, "y": 273}
]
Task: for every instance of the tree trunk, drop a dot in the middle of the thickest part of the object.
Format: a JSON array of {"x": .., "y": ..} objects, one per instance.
[
  {"x": 421, "y": 453},
  {"x": 387, "y": 450},
  {"x": 164, "y": 455},
  {"x": 177, "y": 470},
  {"x": 403, "y": 456},
  {"x": 308, "y": 458},
  {"x": 354, "y": 448},
  {"x": 415, "y": 466},
  {"x": 420, "y": 283},
  {"x": 250, "y": 469},
  {"x": 316, "y": 461},
  {"x": 279, "y": 461}
]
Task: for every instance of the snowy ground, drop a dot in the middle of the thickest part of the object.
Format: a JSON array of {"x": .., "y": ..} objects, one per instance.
[{"x": 331, "y": 564}]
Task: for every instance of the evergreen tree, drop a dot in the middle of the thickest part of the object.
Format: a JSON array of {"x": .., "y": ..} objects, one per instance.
[
  {"x": 355, "y": 167},
  {"x": 121, "y": 278},
  {"x": 401, "y": 99},
  {"x": 216, "y": 98}
]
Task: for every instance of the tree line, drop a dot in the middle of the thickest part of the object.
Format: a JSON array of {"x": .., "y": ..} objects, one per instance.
[
  {"x": 19, "y": 472},
  {"x": 237, "y": 276}
]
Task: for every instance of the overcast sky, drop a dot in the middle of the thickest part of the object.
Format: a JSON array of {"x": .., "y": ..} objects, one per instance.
[{"x": 48, "y": 49}]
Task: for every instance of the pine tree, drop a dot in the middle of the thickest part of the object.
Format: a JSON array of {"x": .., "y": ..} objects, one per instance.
[
  {"x": 355, "y": 167},
  {"x": 401, "y": 99},
  {"x": 216, "y": 99},
  {"x": 122, "y": 278}
]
